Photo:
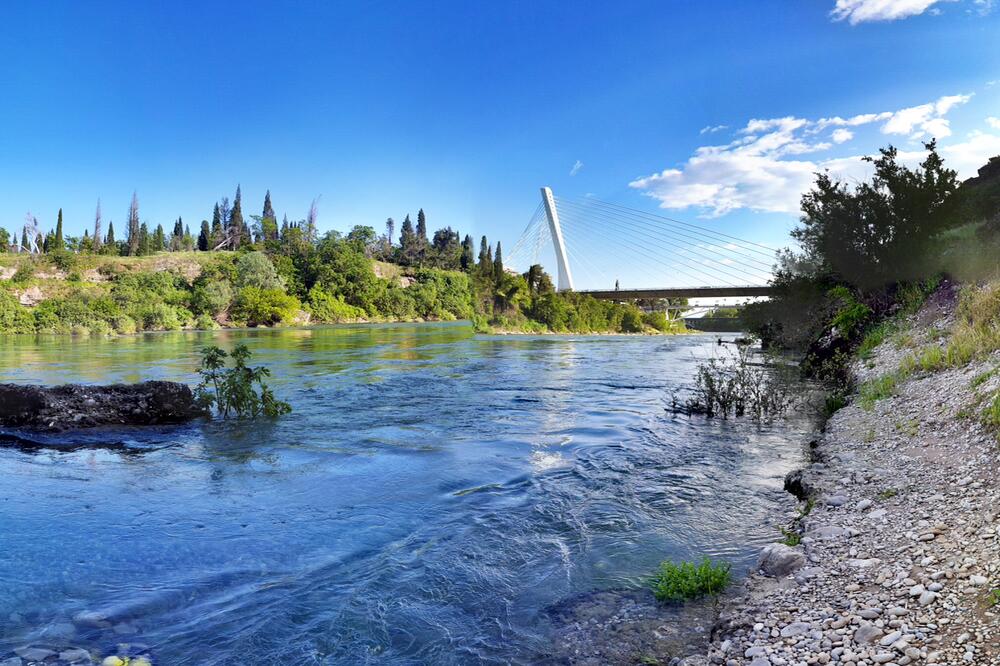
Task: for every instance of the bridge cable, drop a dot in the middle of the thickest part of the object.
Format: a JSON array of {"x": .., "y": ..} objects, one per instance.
[
  {"x": 733, "y": 269},
  {"x": 739, "y": 259}
]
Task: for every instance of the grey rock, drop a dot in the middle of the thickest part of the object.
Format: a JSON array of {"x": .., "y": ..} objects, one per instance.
[
  {"x": 867, "y": 633},
  {"x": 794, "y": 629},
  {"x": 778, "y": 560}
]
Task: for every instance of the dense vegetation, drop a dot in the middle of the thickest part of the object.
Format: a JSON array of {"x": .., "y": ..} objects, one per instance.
[
  {"x": 871, "y": 254},
  {"x": 239, "y": 391},
  {"x": 237, "y": 273},
  {"x": 681, "y": 581}
]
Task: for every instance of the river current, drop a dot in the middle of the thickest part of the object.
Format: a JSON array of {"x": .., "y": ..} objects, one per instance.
[{"x": 432, "y": 495}]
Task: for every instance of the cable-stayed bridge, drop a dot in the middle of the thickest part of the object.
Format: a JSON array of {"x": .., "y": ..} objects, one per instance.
[{"x": 621, "y": 253}]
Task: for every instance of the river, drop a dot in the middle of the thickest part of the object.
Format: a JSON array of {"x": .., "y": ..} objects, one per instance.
[{"x": 432, "y": 495}]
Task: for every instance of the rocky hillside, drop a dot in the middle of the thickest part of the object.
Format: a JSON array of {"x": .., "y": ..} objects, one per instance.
[{"x": 899, "y": 524}]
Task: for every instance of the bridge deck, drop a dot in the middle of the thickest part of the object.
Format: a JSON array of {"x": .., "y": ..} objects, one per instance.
[{"x": 678, "y": 292}]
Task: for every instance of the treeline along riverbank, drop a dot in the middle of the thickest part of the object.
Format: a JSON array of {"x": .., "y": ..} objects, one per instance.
[{"x": 239, "y": 275}]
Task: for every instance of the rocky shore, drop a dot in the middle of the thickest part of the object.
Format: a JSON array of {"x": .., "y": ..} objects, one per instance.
[{"x": 899, "y": 560}]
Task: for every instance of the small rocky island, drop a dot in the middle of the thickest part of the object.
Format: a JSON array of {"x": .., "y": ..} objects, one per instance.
[{"x": 73, "y": 406}]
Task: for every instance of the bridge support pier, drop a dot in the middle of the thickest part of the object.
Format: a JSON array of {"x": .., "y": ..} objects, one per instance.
[{"x": 564, "y": 280}]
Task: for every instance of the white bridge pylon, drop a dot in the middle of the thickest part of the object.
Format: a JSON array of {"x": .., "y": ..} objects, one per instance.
[{"x": 565, "y": 276}]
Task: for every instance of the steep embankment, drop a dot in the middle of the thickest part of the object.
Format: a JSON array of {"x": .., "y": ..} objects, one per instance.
[{"x": 901, "y": 543}]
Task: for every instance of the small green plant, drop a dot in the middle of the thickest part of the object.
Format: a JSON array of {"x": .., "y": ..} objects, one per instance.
[
  {"x": 807, "y": 508},
  {"x": 875, "y": 336},
  {"x": 239, "y": 391},
  {"x": 993, "y": 597},
  {"x": 990, "y": 417},
  {"x": 833, "y": 403},
  {"x": 888, "y": 493},
  {"x": 869, "y": 436},
  {"x": 983, "y": 377},
  {"x": 687, "y": 580},
  {"x": 876, "y": 389},
  {"x": 851, "y": 314},
  {"x": 792, "y": 538},
  {"x": 910, "y": 427}
]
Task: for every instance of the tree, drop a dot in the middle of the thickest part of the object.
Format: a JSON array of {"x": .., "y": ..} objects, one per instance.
[
  {"x": 204, "y": 236},
  {"x": 59, "y": 244},
  {"x": 365, "y": 238},
  {"x": 312, "y": 234},
  {"x": 96, "y": 242},
  {"x": 422, "y": 244},
  {"x": 268, "y": 220},
  {"x": 254, "y": 269},
  {"x": 133, "y": 226},
  {"x": 142, "y": 247},
  {"x": 109, "y": 240},
  {"x": 485, "y": 256},
  {"x": 467, "y": 259},
  {"x": 879, "y": 232},
  {"x": 408, "y": 250},
  {"x": 4, "y": 241},
  {"x": 159, "y": 239},
  {"x": 236, "y": 221},
  {"x": 498, "y": 264},
  {"x": 218, "y": 234}
]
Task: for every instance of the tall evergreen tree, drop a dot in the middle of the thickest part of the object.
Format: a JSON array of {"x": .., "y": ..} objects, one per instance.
[
  {"x": 312, "y": 232},
  {"x": 4, "y": 240},
  {"x": 97, "y": 229},
  {"x": 24, "y": 241},
  {"x": 203, "y": 237},
  {"x": 142, "y": 248},
  {"x": 468, "y": 257},
  {"x": 498, "y": 264},
  {"x": 485, "y": 256},
  {"x": 217, "y": 230},
  {"x": 59, "y": 244},
  {"x": 133, "y": 226},
  {"x": 109, "y": 240},
  {"x": 408, "y": 249},
  {"x": 159, "y": 239},
  {"x": 236, "y": 221}
]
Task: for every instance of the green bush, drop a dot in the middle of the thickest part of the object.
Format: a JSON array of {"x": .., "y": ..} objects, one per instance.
[
  {"x": 212, "y": 298},
  {"x": 239, "y": 391},
  {"x": 264, "y": 307},
  {"x": 254, "y": 269},
  {"x": 14, "y": 317},
  {"x": 687, "y": 580},
  {"x": 876, "y": 389},
  {"x": 329, "y": 309}
]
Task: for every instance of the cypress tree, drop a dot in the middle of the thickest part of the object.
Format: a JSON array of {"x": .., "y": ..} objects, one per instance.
[
  {"x": 485, "y": 256},
  {"x": 159, "y": 239},
  {"x": 498, "y": 264},
  {"x": 24, "y": 241},
  {"x": 133, "y": 226},
  {"x": 142, "y": 248},
  {"x": 204, "y": 236},
  {"x": 217, "y": 231},
  {"x": 109, "y": 240},
  {"x": 467, "y": 259},
  {"x": 97, "y": 228},
  {"x": 236, "y": 221},
  {"x": 407, "y": 243},
  {"x": 59, "y": 244}
]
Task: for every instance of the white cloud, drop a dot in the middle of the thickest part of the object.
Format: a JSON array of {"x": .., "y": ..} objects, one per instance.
[
  {"x": 576, "y": 168},
  {"x": 966, "y": 157},
  {"x": 712, "y": 129},
  {"x": 860, "y": 11},
  {"x": 925, "y": 119},
  {"x": 840, "y": 135},
  {"x": 764, "y": 167},
  {"x": 993, "y": 122}
]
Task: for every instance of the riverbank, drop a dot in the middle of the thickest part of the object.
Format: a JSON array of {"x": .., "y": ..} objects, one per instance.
[{"x": 898, "y": 526}]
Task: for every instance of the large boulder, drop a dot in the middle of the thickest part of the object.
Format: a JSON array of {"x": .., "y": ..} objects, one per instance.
[
  {"x": 72, "y": 406},
  {"x": 778, "y": 560}
]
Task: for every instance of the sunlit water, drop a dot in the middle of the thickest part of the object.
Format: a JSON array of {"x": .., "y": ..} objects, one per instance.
[{"x": 431, "y": 495}]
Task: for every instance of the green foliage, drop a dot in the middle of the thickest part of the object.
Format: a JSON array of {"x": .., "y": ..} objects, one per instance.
[
  {"x": 734, "y": 385},
  {"x": 877, "y": 389},
  {"x": 833, "y": 403},
  {"x": 212, "y": 298},
  {"x": 254, "y": 269},
  {"x": 329, "y": 309},
  {"x": 888, "y": 493},
  {"x": 675, "y": 582},
  {"x": 874, "y": 337},
  {"x": 791, "y": 538},
  {"x": 14, "y": 317},
  {"x": 264, "y": 307},
  {"x": 849, "y": 315},
  {"x": 239, "y": 391}
]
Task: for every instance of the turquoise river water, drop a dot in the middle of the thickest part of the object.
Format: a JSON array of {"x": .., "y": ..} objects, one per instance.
[{"x": 431, "y": 496}]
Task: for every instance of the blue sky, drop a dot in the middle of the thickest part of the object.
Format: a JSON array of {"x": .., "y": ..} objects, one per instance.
[{"x": 466, "y": 108}]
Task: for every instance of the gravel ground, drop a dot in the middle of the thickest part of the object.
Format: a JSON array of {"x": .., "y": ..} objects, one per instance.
[{"x": 900, "y": 553}]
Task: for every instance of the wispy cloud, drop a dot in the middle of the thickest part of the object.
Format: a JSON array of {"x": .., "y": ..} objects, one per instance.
[
  {"x": 769, "y": 163},
  {"x": 576, "y": 168},
  {"x": 993, "y": 122},
  {"x": 861, "y": 11},
  {"x": 712, "y": 129}
]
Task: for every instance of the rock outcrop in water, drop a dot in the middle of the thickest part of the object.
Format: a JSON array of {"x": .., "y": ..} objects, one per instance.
[{"x": 73, "y": 406}]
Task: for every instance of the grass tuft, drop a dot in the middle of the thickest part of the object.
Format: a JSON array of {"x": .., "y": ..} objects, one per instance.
[
  {"x": 876, "y": 389},
  {"x": 687, "y": 580}
]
